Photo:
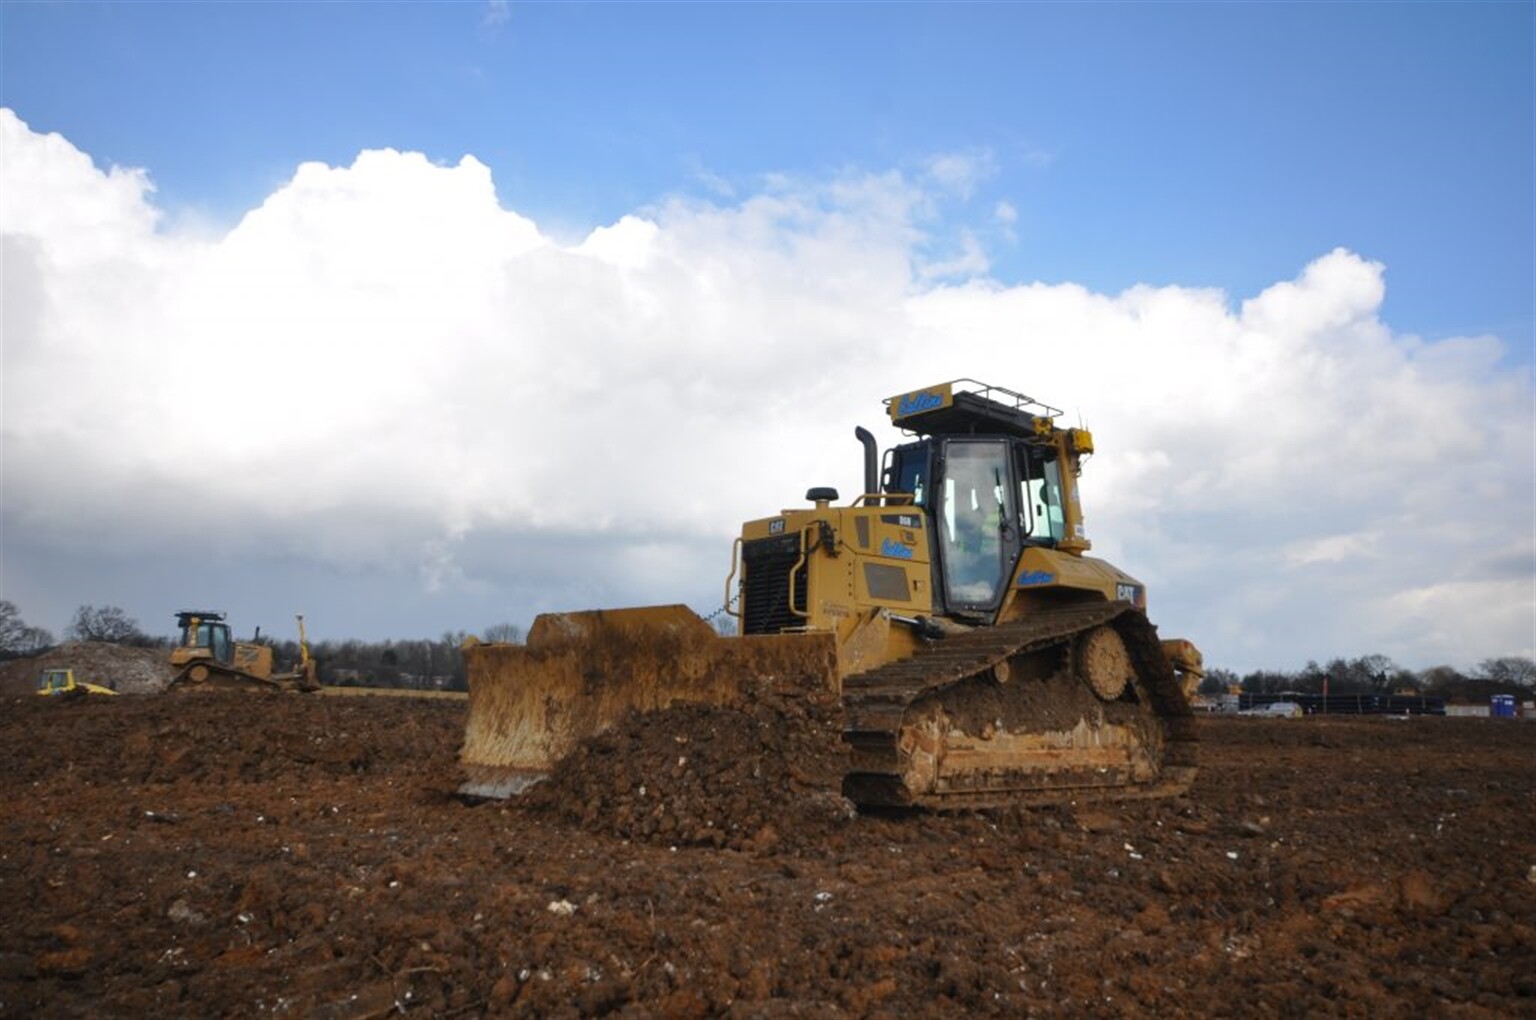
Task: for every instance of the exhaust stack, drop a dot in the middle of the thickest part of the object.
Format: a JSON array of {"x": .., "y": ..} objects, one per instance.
[{"x": 871, "y": 459}]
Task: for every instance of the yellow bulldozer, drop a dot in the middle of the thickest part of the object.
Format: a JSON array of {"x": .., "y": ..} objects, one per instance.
[
  {"x": 981, "y": 658},
  {"x": 208, "y": 657},
  {"x": 61, "y": 683}
]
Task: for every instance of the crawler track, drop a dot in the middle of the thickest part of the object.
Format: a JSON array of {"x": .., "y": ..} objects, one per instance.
[
  {"x": 204, "y": 676},
  {"x": 908, "y": 748}
]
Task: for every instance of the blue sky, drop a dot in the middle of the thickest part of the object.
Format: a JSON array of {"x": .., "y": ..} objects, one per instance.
[
  {"x": 1204, "y": 144},
  {"x": 499, "y": 299}
]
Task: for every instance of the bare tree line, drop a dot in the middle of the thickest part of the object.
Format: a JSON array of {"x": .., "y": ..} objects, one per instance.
[
  {"x": 1375, "y": 674},
  {"x": 439, "y": 662},
  {"x": 429, "y": 663}
]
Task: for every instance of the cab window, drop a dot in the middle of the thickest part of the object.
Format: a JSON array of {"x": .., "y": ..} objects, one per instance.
[
  {"x": 976, "y": 507},
  {"x": 1041, "y": 517},
  {"x": 909, "y": 473}
]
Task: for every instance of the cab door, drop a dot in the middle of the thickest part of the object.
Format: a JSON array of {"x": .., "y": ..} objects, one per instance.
[
  {"x": 977, "y": 523},
  {"x": 214, "y": 637}
]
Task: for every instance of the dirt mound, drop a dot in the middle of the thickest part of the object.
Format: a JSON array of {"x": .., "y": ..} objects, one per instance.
[
  {"x": 122, "y": 668},
  {"x": 708, "y": 776}
]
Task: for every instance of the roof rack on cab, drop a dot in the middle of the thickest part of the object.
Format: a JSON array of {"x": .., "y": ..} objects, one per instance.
[{"x": 964, "y": 406}]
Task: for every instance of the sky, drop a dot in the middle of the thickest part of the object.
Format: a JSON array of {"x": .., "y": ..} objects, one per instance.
[{"x": 419, "y": 318}]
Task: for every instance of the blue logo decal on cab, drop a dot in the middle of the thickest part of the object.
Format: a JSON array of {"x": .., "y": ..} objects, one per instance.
[
  {"x": 914, "y": 403},
  {"x": 1036, "y": 577},
  {"x": 895, "y": 549}
]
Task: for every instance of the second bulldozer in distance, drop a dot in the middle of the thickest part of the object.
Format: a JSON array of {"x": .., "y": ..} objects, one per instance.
[
  {"x": 982, "y": 659},
  {"x": 208, "y": 658}
]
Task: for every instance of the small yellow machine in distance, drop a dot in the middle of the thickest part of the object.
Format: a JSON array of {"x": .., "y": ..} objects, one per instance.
[{"x": 61, "y": 683}]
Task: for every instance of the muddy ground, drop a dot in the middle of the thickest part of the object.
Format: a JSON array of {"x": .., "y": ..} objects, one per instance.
[{"x": 300, "y": 856}]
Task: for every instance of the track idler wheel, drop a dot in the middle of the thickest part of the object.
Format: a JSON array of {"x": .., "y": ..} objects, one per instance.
[{"x": 1104, "y": 662}]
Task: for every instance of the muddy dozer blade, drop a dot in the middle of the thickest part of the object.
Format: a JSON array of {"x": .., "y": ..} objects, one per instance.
[{"x": 581, "y": 673}]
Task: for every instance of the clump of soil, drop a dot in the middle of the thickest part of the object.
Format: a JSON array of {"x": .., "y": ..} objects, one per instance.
[{"x": 704, "y": 775}]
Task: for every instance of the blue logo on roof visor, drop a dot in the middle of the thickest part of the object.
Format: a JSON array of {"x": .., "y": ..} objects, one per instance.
[{"x": 916, "y": 403}]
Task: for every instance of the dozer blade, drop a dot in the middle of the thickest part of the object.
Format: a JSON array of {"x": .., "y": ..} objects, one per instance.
[{"x": 581, "y": 673}]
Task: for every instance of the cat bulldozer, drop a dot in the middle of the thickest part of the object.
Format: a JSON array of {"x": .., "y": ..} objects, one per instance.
[
  {"x": 982, "y": 660},
  {"x": 208, "y": 658}
]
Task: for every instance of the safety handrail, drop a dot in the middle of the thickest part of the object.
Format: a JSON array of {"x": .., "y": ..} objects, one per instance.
[
  {"x": 735, "y": 559},
  {"x": 885, "y": 499},
  {"x": 789, "y": 597},
  {"x": 1020, "y": 401}
]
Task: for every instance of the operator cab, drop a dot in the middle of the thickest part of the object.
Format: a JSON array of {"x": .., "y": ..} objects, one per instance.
[
  {"x": 987, "y": 498},
  {"x": 988, "y": 477},
  {"x": 53, "y": 681},
  {"x": 207, "y": 630}
]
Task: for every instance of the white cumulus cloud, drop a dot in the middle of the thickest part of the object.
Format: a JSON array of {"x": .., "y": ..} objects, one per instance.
[{"x": 381, "y": 373}]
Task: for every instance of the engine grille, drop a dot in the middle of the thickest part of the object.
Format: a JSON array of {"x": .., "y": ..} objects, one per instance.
[{"x": 766, "y": 564}]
